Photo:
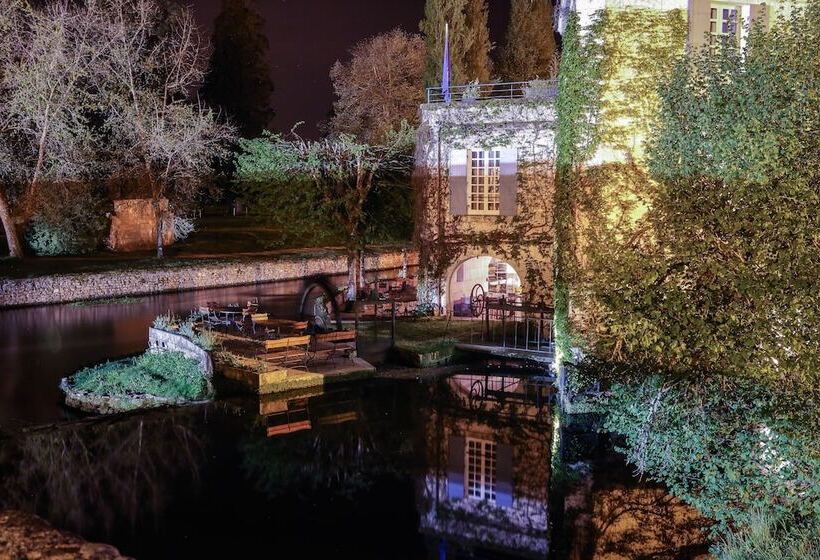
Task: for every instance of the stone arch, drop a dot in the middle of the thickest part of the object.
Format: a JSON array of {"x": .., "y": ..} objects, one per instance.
[{"x": 454, "y": 299}]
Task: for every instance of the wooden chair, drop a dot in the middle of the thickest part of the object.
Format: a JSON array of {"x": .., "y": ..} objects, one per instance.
[
  {"x": 342, "y": 343},
  {"x": 258, "y": 318}
]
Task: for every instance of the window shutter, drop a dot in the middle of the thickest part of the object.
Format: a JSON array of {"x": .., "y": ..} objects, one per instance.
[
  {"x": 508, "y": 187},
  {"x": 458, "y": 182},
  {"x": 455, "y": 468},
  {"x": 759, "y": 14},
  {"x": 504, "y": 475}
]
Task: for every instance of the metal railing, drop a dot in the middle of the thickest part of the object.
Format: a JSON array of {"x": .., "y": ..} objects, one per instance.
[{"x": 536, "y": 89}]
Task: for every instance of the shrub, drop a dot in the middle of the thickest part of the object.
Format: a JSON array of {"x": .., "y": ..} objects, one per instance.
[
  {"x": 161, "y": 374},
  {"x": 183, "y": 227},
  {"x": 69, "y": 219},
  {"x": 729, "y": 447},
  {"x": 203, "y": 339},
  {"x": 539, "y": 89},
  {"x": 164, "y": 322}
]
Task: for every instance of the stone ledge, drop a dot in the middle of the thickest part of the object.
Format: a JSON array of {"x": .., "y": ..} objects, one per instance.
[{"x": 64, "y": 288}]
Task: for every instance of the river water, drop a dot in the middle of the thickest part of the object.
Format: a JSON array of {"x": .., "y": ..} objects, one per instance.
[{"x": 458, "y": 465}]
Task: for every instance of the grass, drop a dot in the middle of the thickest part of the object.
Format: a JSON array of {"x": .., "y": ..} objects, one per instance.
[
  {"x": 165, "y": 374},
  {"x": 125, "y": 300},
  {"x": 219, "y": 238},
  {"x": 769, "y": 539},
  {"x": 424, "y": 336}
]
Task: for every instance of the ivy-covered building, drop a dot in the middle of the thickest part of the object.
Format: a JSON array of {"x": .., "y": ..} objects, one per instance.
[
  {"x": 484, "y": 174},
  {"x": 639, "y": 41}
]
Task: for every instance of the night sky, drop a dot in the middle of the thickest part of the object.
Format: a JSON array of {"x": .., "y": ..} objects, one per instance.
[{"x": 308, "y": 36}]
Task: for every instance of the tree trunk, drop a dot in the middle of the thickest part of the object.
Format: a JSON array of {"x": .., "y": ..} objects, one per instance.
[
  {"x": 351, "y": 277},
  {"x": 12, "y": 238},
  {"x": 362, "y": 284},
  {"x": 159, "y": 217}
]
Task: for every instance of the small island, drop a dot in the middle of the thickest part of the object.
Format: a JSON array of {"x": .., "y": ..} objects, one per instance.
[{"x": 175, "y": 370}]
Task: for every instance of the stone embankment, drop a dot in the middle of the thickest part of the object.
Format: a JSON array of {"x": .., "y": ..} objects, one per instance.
[
  {"x": 62, "y": 288},
  {"x": 23, "y": 535}
]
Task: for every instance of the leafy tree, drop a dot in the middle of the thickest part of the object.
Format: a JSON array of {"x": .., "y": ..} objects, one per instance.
[
  {"x": 154, "y": 64},
  {"x": 477, "y": 63},
  {"x": 469, "y": 40},
  {"x": 379, "y": 87},
  {"x": 239, "y": 80},
  {"x": 324, "y": 185},
  {"x": 721, "y": 272},
  {"x": 529, "y": 49}
]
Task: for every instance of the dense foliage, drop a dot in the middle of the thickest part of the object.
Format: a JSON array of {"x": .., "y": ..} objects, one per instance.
[
  {"x": 769, "y": 538},
  {"x": 162, "y": 374},
  {"x": 729, "y": 446},
  {"x": 720, "y": 273},
  {"x": 239, "y": 80},
  {"x": 68, "y": 219},
  {"x": 379, "y": 87},
  {"x": 469, "y": 40},
  {"x": 576, "y": 108},
  {"x": 529, "y": 49}
]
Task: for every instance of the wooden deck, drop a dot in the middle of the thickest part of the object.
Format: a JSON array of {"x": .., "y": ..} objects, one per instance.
[{"x": 278, "y": 379}]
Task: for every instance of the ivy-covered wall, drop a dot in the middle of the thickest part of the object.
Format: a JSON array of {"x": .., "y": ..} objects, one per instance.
[{"x": 524, "y": 239}]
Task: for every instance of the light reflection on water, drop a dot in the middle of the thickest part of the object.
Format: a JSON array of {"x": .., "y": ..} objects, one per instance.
[
  {"x": 354, "y": 465},
  {"x": 42, "y": 344}
]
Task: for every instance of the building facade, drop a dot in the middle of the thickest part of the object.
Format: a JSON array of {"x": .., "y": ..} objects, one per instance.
[{"x": 484, "y": 173}]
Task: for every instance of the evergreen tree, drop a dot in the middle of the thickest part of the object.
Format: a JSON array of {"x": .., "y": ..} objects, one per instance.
[
  {"x": 530, "y": 44},
  {"x": 469, "y": 40},
  {"x": 239, "y": 82},
  {"x": 477, "y": 63},
  {"x": 436, "y": 14}
]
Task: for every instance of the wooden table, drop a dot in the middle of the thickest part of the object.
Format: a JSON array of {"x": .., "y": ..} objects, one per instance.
[{"x": 275, "y": 324}]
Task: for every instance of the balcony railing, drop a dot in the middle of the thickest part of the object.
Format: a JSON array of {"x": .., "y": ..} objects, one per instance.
[{"x": 536, "y": 89}]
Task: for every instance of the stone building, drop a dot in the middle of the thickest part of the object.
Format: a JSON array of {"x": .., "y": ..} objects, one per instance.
[{"x": 484, "y": 171}]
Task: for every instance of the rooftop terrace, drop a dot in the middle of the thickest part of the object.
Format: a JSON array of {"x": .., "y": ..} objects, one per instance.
[{"x": 535, "y": 89}]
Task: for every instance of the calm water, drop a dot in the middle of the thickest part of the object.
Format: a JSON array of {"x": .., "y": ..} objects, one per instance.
[
  {"x": 383, "y": 469},
  {"x": 42, "y": 344},
  {"x": 458, "y": 466}
]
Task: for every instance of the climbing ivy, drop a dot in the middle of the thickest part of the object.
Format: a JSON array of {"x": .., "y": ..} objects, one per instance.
[
  {"x": 523, "y": 238},
  {"x": 577, "y": 108}
]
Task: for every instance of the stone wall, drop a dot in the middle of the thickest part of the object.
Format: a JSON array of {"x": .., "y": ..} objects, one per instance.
[
  {"x": 61, "y": 288},
  {"x": 164, "y": 341},
  {"x": 134, "y": 225}
]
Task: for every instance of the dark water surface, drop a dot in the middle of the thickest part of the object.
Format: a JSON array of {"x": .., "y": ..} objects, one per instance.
[
  {"x": 456, "y": 466},
  {"x": 382, "y": 469},
  {"x": 40, "y": 345}
]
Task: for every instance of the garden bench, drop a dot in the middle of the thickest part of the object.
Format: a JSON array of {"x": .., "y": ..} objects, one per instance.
[
  {"x": 341, "y": 343},
  {"x": 291, "y": 351}
]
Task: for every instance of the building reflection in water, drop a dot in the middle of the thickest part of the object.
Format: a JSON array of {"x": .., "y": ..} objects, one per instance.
[{"x": 488, "y": 457}]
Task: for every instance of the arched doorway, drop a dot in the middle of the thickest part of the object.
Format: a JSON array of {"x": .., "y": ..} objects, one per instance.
[
  {"x": 496, "y": 277},
  {"x": 316, "y": 287}
]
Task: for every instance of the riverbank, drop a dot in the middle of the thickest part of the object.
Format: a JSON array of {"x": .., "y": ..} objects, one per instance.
[{"x": 152, "y": 277}]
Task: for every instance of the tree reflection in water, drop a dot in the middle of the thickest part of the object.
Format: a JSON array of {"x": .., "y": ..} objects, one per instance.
[
  {"x": 354, "y": 438},
  {"x": 101, "y": 475}
]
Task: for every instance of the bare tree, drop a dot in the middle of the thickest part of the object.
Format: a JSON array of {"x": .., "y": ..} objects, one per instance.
[
  {"x": 154, "y": 66},
  {"x": 44, "y": 62},
  {"x": 379, "y": 86}
]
